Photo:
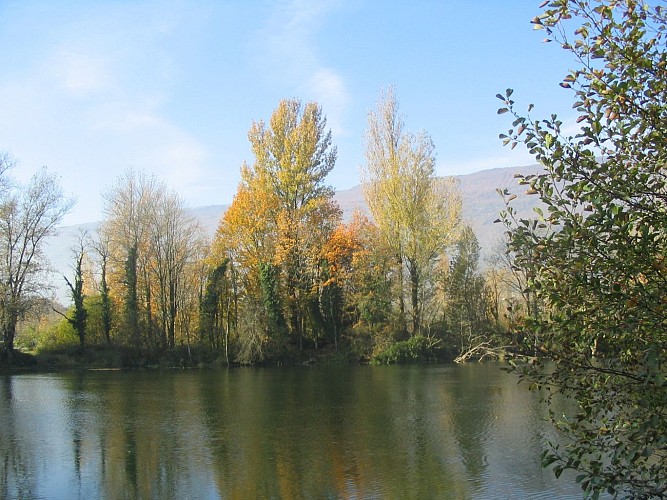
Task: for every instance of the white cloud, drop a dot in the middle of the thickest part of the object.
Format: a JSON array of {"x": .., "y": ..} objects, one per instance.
[
  {"x": 331, "y": 92},
  {"x": 80, "y": 74},
  {"x": 287, "y": 52}
]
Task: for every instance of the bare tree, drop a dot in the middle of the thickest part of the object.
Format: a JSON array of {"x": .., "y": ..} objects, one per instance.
[
  {"x": 152, "y": 240},
  {"x": 174, "y": 233},
  {"x": 28, "y": 215},
  {"x": 127, "y": 208}
]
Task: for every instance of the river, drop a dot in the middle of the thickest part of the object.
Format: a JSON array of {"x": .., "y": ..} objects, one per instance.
[{"x": 443, "y": 431}]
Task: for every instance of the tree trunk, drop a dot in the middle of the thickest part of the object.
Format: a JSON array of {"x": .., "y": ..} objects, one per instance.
[
  {"x": 131, "y": 298},
  {"x": 173, "y": 310},
  {"x": 401, "y": 298},
  {"x": 414, "y": 289},
  {"x": 9, "y": 333}
]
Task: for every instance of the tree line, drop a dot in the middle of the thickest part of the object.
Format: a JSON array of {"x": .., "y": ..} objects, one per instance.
[{"x": 284, "y": 276}]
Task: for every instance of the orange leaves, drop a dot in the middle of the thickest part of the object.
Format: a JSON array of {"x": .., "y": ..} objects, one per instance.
[
  {"x": 342, "y": 244},
  {"x": 349, "y": 244},
  {"x": 247, "y": 227}
]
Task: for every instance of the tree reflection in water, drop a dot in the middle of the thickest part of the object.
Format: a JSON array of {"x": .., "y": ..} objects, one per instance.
[{"x": 332, "y": 432}]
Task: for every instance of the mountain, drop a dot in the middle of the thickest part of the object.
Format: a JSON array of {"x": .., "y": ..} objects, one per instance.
[{"x": 481, "y": 205}]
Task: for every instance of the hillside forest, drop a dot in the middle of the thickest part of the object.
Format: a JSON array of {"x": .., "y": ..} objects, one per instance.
[{"x": 285, "y": 279}]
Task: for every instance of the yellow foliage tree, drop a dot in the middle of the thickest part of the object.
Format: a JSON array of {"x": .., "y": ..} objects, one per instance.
[
  {"x": 417, "y": 213},
  {"x": 281, "y": 216}
]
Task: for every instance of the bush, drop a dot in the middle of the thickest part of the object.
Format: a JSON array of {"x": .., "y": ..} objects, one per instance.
[
  {"x": 57, "y": 335},
  {"x": 417, "y": 349}
]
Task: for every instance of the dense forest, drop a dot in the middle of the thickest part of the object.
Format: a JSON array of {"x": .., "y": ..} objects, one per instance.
[{"x": 285, "y": 279}]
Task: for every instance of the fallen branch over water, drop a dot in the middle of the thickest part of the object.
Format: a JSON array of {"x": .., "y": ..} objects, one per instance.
[{"x": 481, "y": 351}]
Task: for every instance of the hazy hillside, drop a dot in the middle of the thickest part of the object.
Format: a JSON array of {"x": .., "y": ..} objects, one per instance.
[
  {"x": 481, "y": 202},
  {"x": 481, "y": 205}
]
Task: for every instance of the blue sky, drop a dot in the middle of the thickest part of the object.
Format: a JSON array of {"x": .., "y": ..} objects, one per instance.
[{"x": 90, "y": 89}]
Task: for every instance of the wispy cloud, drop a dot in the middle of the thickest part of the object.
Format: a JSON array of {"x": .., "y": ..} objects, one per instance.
[
  {"x": 287, "y": 51},
  {"x": 80, "y": 106},
  {"x": 80, "y": 74}
]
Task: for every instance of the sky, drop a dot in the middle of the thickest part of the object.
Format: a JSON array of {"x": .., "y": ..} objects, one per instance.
[{"x": 90, "y": 89}]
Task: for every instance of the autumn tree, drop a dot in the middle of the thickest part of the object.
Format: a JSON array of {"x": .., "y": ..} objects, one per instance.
[
  {"x": 293, "y": 156},
  {"x": 417, "y": 213},
  {"x": 595, "y": 255},
  {"x": 338, "y": 255},
  {"x": 280, "y": 218},
  {"x": 244, "y": 243},
  {"x": 151, "y": 241},
  {"x": 357, "y": 292}
]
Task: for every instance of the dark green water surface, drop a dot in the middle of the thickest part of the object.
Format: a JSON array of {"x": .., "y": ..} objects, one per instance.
[{"x": 308, "y": 432}]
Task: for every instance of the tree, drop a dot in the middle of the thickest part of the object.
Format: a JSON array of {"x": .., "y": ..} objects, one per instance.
[
  {"x": 101, "y": 247},
  {"x": 79, "y": 314},
  {"x": 244, "y": 243},
  {"x": 596, "y": 255},
  {"x": 173, "y": 234},
  {"x": 127, "y": 207},
  {"x": 293, "y": 156},
  {"x": 338, "y": 268},
  {"x": 28, "y": 216},
  {"x": 216, "y": 311},
  {"x": 356, "y": 296},
  {"x": 152, "y": 241},
  {"x": 281, "y": 217},
  {"x": 465, "y": 291},
  {"x": 416, "y": 212}
]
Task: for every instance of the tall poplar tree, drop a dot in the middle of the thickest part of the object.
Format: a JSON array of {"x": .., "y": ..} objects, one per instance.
[
  {"x": 417, "y": 213},
  {"x": 293, "y": 156},
  {"x": 281, "y": 216}
]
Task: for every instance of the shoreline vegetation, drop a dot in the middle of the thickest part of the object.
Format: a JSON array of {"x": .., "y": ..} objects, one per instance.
[
  {"x": 117, "y": 357},
  {"x": 284, "y": 279}
]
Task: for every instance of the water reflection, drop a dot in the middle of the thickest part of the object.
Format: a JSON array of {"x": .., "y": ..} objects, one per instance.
[{"x": 349, "y": 432}]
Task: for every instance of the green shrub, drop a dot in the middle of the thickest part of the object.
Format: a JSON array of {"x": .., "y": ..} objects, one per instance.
[{"x": 417, "y": 349}]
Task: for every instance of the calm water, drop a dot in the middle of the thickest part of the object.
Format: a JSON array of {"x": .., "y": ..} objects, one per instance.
[{"x": 307, "y": 432}]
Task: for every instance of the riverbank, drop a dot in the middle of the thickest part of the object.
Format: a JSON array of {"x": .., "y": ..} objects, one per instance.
[{"x": 111, "y": 357}]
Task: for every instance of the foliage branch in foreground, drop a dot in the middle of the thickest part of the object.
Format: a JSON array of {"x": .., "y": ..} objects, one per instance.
[{"x": 596, "y": 253}]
